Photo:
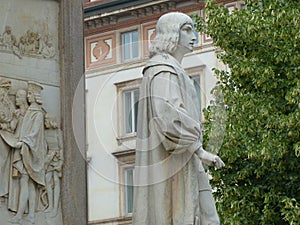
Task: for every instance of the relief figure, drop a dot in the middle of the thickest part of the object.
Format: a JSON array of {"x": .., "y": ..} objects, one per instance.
[
  {"x": 32, "y": 149},
  {"x": 30, "y": 44},
  {"x": 16, "y": 160},
  {"x": 7, "y": 126},
  {"x": 7, "y": 37},
  {"x": 54, "y": 162}
]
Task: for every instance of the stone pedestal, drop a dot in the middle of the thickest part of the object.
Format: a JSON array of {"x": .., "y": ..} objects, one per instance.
[{"x": 41, "y": 41}]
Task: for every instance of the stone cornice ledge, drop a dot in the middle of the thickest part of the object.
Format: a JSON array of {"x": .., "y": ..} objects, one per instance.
[{"x": 132, "y": 12}]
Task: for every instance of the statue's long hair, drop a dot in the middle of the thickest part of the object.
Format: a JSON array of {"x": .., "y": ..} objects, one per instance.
[
  {"x": 167, "y": 33},
  {"x": 38, "y": 98}
]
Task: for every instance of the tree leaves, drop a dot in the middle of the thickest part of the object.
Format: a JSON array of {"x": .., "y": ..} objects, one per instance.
[{"x": 261, "y": 142}]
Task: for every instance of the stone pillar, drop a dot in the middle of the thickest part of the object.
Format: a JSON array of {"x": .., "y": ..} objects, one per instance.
[
  {"x": 74, "y": 200},
  {"x": 42, "y": 80}
]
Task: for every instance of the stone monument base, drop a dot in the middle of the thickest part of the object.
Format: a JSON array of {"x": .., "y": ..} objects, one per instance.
[{"x": 41, "y": 217}]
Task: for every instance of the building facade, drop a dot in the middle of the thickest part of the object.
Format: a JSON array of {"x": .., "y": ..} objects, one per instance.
[{"x": 117, "y": 38}]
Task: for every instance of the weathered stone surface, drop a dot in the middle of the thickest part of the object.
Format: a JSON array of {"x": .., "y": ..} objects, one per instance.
[
  {"x": 46, "y": 48},
  {"x": 171, "y": 186},
  {"x": 30, "y": 172}
]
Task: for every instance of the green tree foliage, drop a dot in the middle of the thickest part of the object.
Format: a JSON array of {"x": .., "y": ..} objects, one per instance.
[{"x": 261, "y": 142}]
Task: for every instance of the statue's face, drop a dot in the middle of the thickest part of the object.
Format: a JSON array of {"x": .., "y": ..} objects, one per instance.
[
  {"x": 20, "y": 98},
  {"x": 186, "y": 38},
  {"x": 30, "y": 97}
]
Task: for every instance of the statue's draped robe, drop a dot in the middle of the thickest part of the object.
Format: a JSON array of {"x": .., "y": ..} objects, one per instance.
[
  {"x": 31, "y": 157},
  {"x": 15, "y": 168},
  {"x": 5, "y": 156},
  {"x": 6, "y": 109},
  {"x": 34, "y": 148},
  {"x": 168, "y": 135}
]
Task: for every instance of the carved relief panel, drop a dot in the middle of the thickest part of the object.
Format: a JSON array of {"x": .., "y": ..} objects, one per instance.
[
  {"x": 30, "y": 44},
  {"x": 31, "y": 155},
  {"x": 31, "y": 148},
  {"x": 29, "y": 47}
]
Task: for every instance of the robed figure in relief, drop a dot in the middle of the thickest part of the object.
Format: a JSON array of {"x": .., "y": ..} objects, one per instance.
[
  {"x": 32, "y": 147},
  {"x": 171, "y": 186},
  {"x": 7, "y": 127},
  {"x": 16, "y": 160}
]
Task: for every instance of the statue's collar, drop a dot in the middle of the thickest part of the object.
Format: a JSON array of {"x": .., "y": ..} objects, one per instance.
[
  {"x": 165, "y": 59},
  {"x": 35, "y": 107}
]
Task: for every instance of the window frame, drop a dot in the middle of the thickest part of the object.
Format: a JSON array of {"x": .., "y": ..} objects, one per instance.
[
  {"x": 199, "y": 71},
  {"x": 132, "y": 126},
  {"x": 146, "y": 27},
  {"x": 131, "y": 43},
  {"x": 126, "y": 160},
  {"x": 233, "y": 6},
  {"x": 121, "y": 88},
  {"x": 125, "y": 169},
  {"x": 206, "y": 39}
]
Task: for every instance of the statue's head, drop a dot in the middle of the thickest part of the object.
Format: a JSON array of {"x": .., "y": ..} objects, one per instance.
[
  {"x": 4, "y": 83},
  {"x": 167, "y": 32},
  {"x": 4, "y": 87},
  {"x": 34, "y": 92},
  {"x": 8, "y": 29},
  {"x": 21, "y": 97}
]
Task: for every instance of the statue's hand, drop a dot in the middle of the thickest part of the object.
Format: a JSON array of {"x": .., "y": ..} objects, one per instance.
[
  {"x": 210, "y": 159},
  {"x": 218, "y": 163},
  {"x": 18, "y": 144}
]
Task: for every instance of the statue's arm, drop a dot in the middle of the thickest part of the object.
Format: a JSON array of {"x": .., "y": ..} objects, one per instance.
[
  {"x": 210, "y": 159},
  {"x": 178, "y": 131},
  {"x": 33, "y": 127}
]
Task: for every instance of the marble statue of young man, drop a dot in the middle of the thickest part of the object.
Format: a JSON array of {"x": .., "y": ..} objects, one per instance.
[{"x": 171, "y": 186}]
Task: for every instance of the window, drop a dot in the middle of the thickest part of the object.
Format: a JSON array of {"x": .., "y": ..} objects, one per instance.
[
  {"x": 126, "y": 178},
  {"x": 148, "y": 36},
  {"x": 130, "y": 109},
  {"x": 196, "y": 80},
  {"x": 206, "y": 38},
  {"x": 197, "y": 76},
  {"x": 130, "y": 49},
  {"x": 196, "y": 42},
  {"x": 235, "y": 6},
  {"x": 128, "y": 97},
  {"x": 128, "y": 189}
]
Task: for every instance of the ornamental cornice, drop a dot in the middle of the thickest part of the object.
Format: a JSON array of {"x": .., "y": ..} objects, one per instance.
[{"x": 131, "y": 13}]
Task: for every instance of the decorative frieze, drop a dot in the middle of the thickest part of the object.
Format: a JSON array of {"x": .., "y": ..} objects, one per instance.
[
  {"x": 100, "y": 20},
  {"x": 31, "y": 44}
]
